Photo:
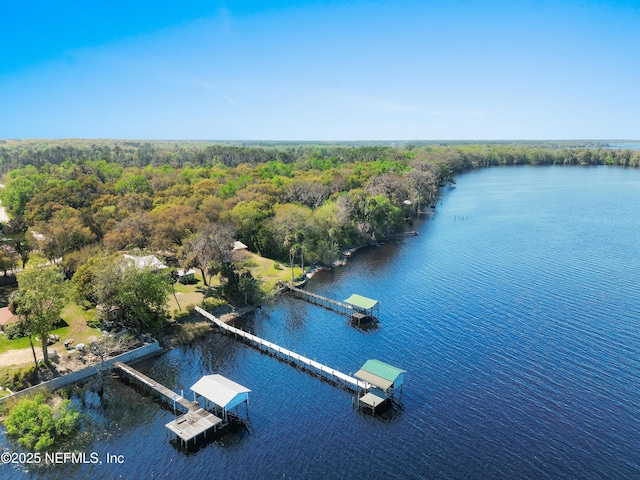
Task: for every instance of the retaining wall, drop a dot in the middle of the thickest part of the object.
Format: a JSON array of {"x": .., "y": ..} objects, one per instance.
[{"x": 73, "y": 377}]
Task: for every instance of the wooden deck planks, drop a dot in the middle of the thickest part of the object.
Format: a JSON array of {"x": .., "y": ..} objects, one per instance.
[
  {"x": 193, "y": 423},
  {"x": 169, "y": 395}
]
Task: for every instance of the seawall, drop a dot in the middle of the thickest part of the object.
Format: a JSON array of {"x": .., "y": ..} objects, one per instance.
[{"x": 60, "y": 382}]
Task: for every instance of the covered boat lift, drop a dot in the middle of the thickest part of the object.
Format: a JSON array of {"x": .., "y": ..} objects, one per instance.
[
  {"x": 384, "y": 379},
  {"x": 220, "y": 393},
  {"x": 364, "y": 307}
]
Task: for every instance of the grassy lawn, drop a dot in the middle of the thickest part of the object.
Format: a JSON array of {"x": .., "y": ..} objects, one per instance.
[
  {"x": 76, "y": 319},
  {"x": 191, "y": 294},
  {"x": 6, "y": 345},
  {"x": 261, "y": 268},
  {"x": 265, "y": 270}
]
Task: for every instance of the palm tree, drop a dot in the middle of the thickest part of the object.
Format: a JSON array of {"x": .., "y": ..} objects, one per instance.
[{"x": 293, "y": 251}]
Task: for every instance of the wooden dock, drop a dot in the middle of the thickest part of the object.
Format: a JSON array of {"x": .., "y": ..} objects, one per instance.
[
  {"x": 293, "y": 358},
  {"x": 163, "y": 393},
  {"x": 187, "y": 427},
  {"x": 328, "y": 303},
  {"x": 194, "y": 423}
]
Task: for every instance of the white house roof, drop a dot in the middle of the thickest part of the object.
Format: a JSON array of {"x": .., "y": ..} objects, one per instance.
[
  {"x": 148, "y": 261},
  {"x": 238, "y": 245},
  {"x": 220, "y": 390}
]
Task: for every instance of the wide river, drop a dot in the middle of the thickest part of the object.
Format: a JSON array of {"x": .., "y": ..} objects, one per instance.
[{"x": 516, "y": 313}]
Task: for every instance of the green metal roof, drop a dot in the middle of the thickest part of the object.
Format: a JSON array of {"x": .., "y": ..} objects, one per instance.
[
  {"x": 382, "y": 370},
  {"x": 361, "y": 302}
]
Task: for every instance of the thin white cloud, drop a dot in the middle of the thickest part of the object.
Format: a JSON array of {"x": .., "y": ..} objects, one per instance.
[
  {"x": 386, "y": 105},
  {"x": 178, "y": 76}
]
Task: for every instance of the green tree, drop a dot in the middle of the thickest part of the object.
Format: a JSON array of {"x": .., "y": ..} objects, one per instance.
[
  {"x": 15, "y": 303},
  {"x": 132, "y": 183},
  {"x": 63, "y": 234},
  {"x": 248, "y": 219},
  {"x": 143, "y": 296},
  {"x": 249, "y": 288},
  {"x": 141, "y": 292},
  {"x": 43, "y": 293},
  {"x": 17, "y": 193},
  {"x": 38, "y": 425}
]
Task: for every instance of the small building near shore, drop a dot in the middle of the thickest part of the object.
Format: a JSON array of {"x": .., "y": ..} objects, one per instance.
[
  {"x": 148, "y": 261},
  {"x": 186, "y": 276},
  {"x": 385, "y": 381},
  {"x": 109, "y": 313},
  {"x": 238, "y": 245},
  {"x": 220, "y": 393}
]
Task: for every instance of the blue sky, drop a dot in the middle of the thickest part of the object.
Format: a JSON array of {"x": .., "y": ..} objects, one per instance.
[{"x": 320, "y": 70}]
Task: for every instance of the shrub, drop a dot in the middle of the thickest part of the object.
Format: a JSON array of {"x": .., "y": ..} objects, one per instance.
[
  {"x": 178, "y": 315},
  {"x": 189, "y": 332},
  {"x": 15, "y": 330},
  {"x": 211, "y": 303},
  {"x": 17, "y": 379},
  {"x": 38, "y": 425}
]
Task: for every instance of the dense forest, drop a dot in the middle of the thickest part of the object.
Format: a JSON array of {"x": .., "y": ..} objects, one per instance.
[{"x": 71, "y": 199}]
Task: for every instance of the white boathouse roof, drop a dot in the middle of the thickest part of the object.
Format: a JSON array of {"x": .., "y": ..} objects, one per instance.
[{"x": 223, "y": 392}]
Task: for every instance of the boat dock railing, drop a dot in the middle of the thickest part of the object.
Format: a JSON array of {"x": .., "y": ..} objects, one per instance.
[
  {"x": 293, "y": 358},
  {"x": 329, "y": 303}
]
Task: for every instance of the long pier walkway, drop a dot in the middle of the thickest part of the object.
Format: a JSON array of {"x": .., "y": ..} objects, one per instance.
[
  {"x": 169, "y": 396},
  {"x": 335, "y": 305},
  {"x": 294, "y": 358}
]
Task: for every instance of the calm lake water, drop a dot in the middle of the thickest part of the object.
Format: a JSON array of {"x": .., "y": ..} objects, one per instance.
[{"x": 515, "y": 312}]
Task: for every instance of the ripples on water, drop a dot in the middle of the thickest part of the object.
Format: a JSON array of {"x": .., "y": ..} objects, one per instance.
[{"x": 515, "y": 313}]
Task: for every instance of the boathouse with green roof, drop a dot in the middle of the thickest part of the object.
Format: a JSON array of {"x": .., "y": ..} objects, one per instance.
[
  {"x": 364, "y": 308},
  {"x": 384, "y": 380}
]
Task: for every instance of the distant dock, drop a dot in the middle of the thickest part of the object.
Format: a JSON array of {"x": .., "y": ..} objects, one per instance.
[
  {"x": 357, "y": 307},
  {"x": 293, "y": 358}
]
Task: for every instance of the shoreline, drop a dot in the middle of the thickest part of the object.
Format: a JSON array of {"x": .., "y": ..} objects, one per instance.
[
  {"x": 146, "y": 350},
  {"x": 349, "y": 252}
]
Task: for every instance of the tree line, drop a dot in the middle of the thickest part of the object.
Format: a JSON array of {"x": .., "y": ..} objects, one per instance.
[
  {"x": 73, "y": 196},
  {"x": 78, "y": 202}
]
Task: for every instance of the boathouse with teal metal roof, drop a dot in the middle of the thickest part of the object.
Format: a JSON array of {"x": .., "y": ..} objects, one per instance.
[
  {"x": 363, "y": 306},
  {"x": 384, "y": 379}
]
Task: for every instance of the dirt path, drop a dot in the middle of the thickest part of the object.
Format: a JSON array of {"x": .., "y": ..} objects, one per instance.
[
  {"x": 64, "y": 363},
  {"x": 19, "y": 357}
]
